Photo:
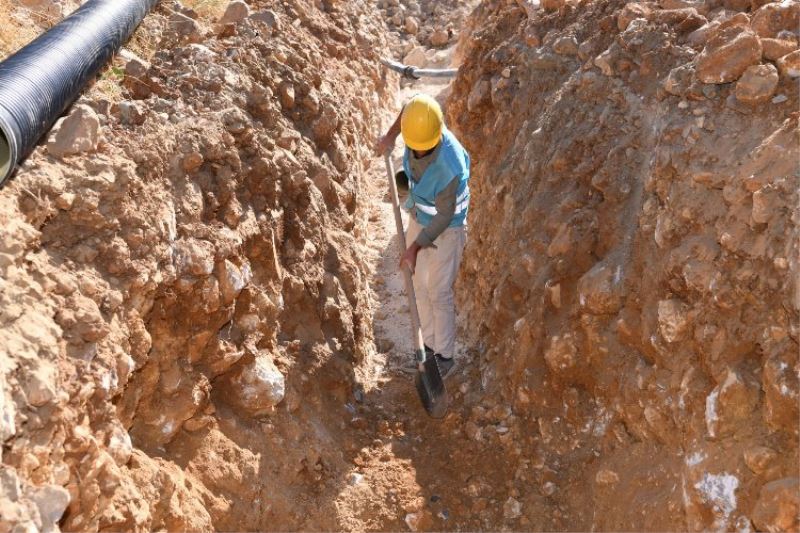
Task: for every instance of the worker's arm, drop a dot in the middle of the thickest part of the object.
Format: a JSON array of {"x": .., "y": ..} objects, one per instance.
[
  {"x": 445, "y": 210},
  {"x": 386, "y": 142}
]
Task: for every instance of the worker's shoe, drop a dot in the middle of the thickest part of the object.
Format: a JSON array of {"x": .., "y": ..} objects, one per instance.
[{"x": 445, "y": 364}]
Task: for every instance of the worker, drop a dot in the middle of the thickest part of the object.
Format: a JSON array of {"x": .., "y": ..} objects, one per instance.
[{"x": 436, "y": 169}]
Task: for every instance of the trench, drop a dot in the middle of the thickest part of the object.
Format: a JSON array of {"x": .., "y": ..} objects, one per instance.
[
  {"x": 364, "y": 454},
  {"x": 204, "y": 327}
]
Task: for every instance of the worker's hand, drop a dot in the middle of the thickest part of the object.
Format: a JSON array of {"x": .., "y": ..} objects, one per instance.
[
  {"x": 384, "y": 144},
  {"x": 409, "y": 258}
]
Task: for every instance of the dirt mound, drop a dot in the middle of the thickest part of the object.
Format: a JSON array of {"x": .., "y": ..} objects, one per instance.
[
  {"x": 197, "y": 264},
  {"x": 631, "y": 275}
]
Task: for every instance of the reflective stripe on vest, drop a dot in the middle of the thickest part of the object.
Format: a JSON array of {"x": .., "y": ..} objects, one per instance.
[{"x": 462, "y": 202}]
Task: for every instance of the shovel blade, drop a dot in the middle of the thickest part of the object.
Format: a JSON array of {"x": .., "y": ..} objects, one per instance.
[{"x": 431, "y": 389}]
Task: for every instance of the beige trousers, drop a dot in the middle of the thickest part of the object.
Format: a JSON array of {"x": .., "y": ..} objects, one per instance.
[{"x": 433, "y": 283}]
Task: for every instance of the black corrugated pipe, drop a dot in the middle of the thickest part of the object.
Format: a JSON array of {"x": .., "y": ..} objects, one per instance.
[{"x": 42, "y": 79}]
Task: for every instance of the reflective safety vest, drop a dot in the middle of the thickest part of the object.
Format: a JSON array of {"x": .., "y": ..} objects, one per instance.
[{"x": 451, "y": 163}]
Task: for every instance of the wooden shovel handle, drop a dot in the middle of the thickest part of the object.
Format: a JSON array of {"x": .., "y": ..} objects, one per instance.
[{"x": 416, "y": 331}]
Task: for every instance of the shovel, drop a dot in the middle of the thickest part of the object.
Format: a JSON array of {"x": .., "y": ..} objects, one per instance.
[{"x": 428, "y": 379}]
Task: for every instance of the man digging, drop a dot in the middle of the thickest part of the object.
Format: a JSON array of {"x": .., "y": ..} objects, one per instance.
[{"x": 435, "y": 172}]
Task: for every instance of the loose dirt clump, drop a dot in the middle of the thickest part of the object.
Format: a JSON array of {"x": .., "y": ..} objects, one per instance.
[{"x": 631, "y": 275}]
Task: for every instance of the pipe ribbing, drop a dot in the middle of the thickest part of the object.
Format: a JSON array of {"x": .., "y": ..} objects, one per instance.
[{"x": 42, "y": 79}]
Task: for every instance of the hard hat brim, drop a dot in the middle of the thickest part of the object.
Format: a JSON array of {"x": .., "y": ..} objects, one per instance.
[{"x": 422, "y": 147}]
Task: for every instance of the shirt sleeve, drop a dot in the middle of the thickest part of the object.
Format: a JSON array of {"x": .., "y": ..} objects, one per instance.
[{"x": 445, "y": 210}]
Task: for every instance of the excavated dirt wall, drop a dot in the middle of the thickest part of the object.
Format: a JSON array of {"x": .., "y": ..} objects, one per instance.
[
  {"x": 181, "y": 257},
  {"x": 631, "y": 272}
]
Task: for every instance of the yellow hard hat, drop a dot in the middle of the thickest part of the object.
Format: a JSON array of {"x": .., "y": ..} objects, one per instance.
[{"x": 421, "y": 123}]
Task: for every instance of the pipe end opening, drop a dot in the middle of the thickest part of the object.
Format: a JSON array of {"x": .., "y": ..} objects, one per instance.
[
  {"x": 5, "y": 157},
  {"x": 8, "y": 150}
]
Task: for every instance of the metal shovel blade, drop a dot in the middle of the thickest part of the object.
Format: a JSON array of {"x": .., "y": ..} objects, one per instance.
[{"x": 431, "y": 389}]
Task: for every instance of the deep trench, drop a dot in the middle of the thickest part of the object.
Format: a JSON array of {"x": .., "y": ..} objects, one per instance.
[
  {"x": 411, "y": 467},
  {"x": 211, "y": 327}
]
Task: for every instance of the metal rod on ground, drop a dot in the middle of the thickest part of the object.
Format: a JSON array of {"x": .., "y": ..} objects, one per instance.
[{"x": 415, "y": 73}]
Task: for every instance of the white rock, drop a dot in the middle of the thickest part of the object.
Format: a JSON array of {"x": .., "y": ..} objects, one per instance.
[
  {"x": 134, "y": 65},
  {"x": 566, "y": 45},
  {"x": 355, "y": 478},
  {"x": 200, "y": 52},
  {"x": 603, "y": 62},
  {"x": 9, "y": 483},
  {"x": 184, "y": 27},
  {"x": 530, "y": 6},
  {"x": 119, "y": 445},
  {"x": 8, "y": 412},
  {"x": 549, "y": 488},
  {"x": 78, "y": 133},
  {"x": 236, "y": 12},
  {"x": 512, "y": 509},
  {"x": 764, "y": 205},
  {"x": 718, "y": 491},
  {"x": 561, "y": 353},
  {"x": 412, "y": 521},
  {"x": 259, "y": 386},
  {"x": 711, "y": 412},
  {"x": 479, "y": 94},
  {"x": 673, "y": 320},
  {"x": 231, "y": 280},
  {"x": 40, "y": 384},
  {"x": 131, "y": 112},
  {"x": 268, "y": 17},
  {"x": 194, "y": 256},
  {"x": 52, "y": 501}
]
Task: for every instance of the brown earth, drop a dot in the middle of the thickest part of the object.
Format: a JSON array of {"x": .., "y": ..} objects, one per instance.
[
  {"x": 22, "y": 20},
  {"x": 631, "y": 277},
  {"x": 202, "y": 326}
]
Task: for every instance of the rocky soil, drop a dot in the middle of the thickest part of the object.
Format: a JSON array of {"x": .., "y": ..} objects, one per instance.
[
  {"x": 421, "y": 32},
  {"x": 631, "y": 276},
  {"x": 202, "y": 326},
  {"x": 183, "y": 293}
]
